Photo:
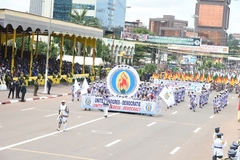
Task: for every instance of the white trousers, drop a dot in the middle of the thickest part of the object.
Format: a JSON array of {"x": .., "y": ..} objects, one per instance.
[{"x": 106, "y": 110}]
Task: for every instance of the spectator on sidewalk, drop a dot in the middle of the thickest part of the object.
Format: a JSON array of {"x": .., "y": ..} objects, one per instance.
[
  {"x": 11, "y": 88},
  {"x": 35, "y": 87},
  {"x": 18, "y": 87},
  {"x": 23, "y": 91},
  {"x": 49, "y": 85}
]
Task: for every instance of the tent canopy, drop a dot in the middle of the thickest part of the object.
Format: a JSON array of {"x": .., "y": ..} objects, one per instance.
[{"x": 79, "y": 59}]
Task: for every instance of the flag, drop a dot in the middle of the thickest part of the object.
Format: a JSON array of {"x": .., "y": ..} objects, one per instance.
[
  {"x": 84, "y": 87},
  {"x": 167, "y": 96},
  {"x": 76, "y": 86},
  {"x": 122, "y": 53}
]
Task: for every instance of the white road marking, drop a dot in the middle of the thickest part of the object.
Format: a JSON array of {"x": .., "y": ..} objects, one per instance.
[
  {"x": 53, "y": 133},
  {"x": 211, "y": 116},
  {"x": 101, "y": 132},
  {"x": 175, "y": 112},
  {"x": 114, "y": 142},
  {"x": 79, "y": 116},
  {"x": 175, "y": 150},
  {"x": 197, "y": 129},
  {"x": 27, "y": 109},
  {"x": 151, "y": 124},
  {"x": 50, "y": 115}
]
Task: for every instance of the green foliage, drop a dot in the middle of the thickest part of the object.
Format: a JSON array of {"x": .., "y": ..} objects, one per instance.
[
  {"x": 102, "y": 51},
  {"x": 218, "y": 66},
  {"x": 140, "y": 51},
  {"x": 80, "y": 18},
  {"x": 142, "y": 31},
  {"x": 150, "y": 68}
]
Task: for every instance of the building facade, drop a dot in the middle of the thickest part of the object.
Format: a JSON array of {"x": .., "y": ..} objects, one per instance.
[
  {"x": 62, "y": 9},
  {"x": 41, "y": 8},
  {"x": 212, "y": 20},
  {"x": 129, "y": 26},
  {"x": 167, "y": 26},
  {"x": 121, "y": 51},
  {"x": 111, "y": 13}
]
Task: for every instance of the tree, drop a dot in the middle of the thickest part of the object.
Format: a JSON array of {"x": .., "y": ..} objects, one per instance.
[
  {"x": 140, "y": 51},
  {"x": 142, "y": 31},
  {"x": 81, "y": 18},
  {"x": 102, "y": 51}
]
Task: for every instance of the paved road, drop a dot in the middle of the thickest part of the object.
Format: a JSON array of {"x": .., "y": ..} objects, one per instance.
[{"x": 28, "y": 131}]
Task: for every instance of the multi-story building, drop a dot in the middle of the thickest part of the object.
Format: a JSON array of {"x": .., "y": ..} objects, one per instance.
[
  {"x": 57, "y": 9},
  {"x": 111, "y": 13},
  {"x": 212, "y": 20},
  {"x": 129, "y": 26},
  {"x": 167, "y": 26}
]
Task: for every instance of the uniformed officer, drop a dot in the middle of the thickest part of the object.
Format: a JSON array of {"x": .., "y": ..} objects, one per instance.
[
  {"x": 106, "y": 104},
  {"x": 72, "y": 92},
  {"x": 217, "y": 147},
  {"x": 63, "y": 115}
]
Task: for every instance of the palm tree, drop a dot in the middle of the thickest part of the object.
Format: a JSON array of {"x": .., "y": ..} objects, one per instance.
[{"x": 80, "y": 18}]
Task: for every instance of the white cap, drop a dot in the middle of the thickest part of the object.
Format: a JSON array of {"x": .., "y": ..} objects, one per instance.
[{"x": 63, "y": 101}]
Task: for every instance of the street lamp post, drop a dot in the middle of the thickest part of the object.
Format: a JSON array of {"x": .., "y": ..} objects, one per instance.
[
  {"x": 194, "y": 27},
  {"x": 48, "y": 48}
]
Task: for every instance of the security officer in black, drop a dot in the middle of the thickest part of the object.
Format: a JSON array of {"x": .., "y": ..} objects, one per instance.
[
  {"x": 18, "y": 88},
  {"x": 11, "y": 88}
]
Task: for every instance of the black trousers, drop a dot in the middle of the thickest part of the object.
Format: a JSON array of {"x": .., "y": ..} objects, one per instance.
[
  {"x": 11, "y": 91},
  {"x": 22, "y": 98},
  {"x": 215, "y": 157},
  {"x": 17, "y": 93}
]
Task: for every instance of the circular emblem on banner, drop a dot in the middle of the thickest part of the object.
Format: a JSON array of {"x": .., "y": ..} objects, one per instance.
[
  {"x": 88, "y": 101},
  {"x": 148, "y": 107},
  {"x": 123, "y": 81}
]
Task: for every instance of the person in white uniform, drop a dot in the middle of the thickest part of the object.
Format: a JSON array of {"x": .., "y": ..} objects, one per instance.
[
  {"x": 63, "y": 115},
  {"x": 106, "y": 104},
  {"x": 217, "y": 147}
]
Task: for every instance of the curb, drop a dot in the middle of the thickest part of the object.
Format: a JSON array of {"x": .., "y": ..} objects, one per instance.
[{"x": 35, "y": 98}]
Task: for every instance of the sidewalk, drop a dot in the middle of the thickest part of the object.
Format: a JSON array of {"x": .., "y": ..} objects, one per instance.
[{"x": 56, "y": 91}]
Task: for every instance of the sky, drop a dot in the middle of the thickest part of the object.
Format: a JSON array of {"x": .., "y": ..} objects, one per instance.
[{"x": 145, "y": 9}]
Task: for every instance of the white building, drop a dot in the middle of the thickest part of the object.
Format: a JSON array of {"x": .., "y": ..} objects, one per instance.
[
  {"x": 121, "y": 50},
  {"x": 41, "y": 7}
]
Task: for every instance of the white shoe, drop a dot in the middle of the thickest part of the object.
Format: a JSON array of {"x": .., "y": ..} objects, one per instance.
[{"x": 58, "y": 129}]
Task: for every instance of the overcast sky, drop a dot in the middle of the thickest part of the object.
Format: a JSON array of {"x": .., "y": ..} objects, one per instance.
[{"x": 145, "y": 9}]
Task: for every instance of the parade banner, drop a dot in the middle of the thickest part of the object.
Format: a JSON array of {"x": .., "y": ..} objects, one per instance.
[
  {"x": 202, "y": 48},
  {"x": 189, "y": 86},
  {"x": 122, "y": 105},
  {"x": 195, "y": 41}
]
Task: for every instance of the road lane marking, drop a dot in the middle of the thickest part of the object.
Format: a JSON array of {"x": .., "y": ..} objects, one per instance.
[
  {"x": 197, "y": 129},
  {"x": 27, "y": 109},
  {"x": 175, "y": 150},
  {"x": 50, "y": 115},
  {"x": 211, "y": 117},
  {"x": 53, "y": 133},
  {"x": 151, "y": 124},
  {"x": 175, "y": 112},
  {"x": 114, "y": 142},
  {"x": 52, "y": 154}
]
